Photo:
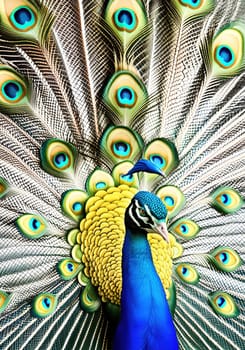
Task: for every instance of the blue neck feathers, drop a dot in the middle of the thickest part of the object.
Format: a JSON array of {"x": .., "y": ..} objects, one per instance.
[{"x": 146, "y": 322}]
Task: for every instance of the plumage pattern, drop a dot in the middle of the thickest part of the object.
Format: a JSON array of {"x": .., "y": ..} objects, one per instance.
[{"x": 86, "y": 89}]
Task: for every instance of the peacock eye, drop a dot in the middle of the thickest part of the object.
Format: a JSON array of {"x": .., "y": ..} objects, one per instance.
[{"x": 142, "y": 212}]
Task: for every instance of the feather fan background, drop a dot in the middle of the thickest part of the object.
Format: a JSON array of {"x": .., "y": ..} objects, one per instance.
[{"x": 64, "y": 64}]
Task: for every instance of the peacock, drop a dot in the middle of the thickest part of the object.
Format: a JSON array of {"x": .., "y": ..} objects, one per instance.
[{"x": 122, "y": 174}]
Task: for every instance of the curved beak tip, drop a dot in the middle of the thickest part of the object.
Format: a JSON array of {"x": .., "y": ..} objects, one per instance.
[{"x": 163, "y": 231}]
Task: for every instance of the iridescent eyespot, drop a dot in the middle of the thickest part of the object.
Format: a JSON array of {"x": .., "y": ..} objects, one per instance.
[
  {"x": 121, "y": 143},
  {"x": 226, "y": 259},
  {"x": 58, "y": 157},
  {"x": 121, "y": 149},
  {"x": 125, "y": 19},
  {"x": 61, "y": 160},
  {"x": 190, "y": 8},
  {"x": 23, "y": 18},
  {"x": 68, "y": 269},
  {"x": 223, "y": 304},
  {"x": 31, "y": 226},
  {"x": 12, "y": 91},
  {"x": 158, "y": 160},
  {"x": 119, "y": 174},
  {"x": 169, "y": 201},
  {"x": 72, "y": 203},
  {"x": 173, "y": 199},
  {"x": 101, "y": 185},
  {"x": 44, "y": 304},
  {"x": 228, "y": 50},
  {"x": 126, "y": 97},
  {"x": 13, "y": 88},
  {"x": 224, "y": 55},
  {"x": 226, "y": 200},
  {"x": 185, "y": 228},
  {"x": 192, "y": 3},
  {"x": 98, "y": 180},
  {"x": 162, "y": 153},
  {"x": 187, "y": 273}
]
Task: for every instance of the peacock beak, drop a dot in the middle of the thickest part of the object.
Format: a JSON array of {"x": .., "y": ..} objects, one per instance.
[{"x": 161, "y": 228}]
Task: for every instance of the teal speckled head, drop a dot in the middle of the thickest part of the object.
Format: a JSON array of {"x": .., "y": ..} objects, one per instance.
[{"x": 147, "y": 212}]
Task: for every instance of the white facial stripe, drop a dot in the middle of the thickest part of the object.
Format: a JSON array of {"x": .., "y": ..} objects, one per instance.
[
  {"x": 143, "y": 218},
  {"x": 132, "y": 215}
]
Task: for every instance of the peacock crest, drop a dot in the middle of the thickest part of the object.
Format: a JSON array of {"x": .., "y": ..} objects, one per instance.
[{"x": 77, "y": 113}]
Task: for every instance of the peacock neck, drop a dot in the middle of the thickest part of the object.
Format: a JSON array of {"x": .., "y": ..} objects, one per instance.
[
  {"x": 136, "y": 246},
  {"x": 145, "y": 314}
]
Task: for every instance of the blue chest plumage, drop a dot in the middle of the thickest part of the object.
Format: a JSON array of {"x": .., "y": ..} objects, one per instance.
[{"x": 146, "y": 322}]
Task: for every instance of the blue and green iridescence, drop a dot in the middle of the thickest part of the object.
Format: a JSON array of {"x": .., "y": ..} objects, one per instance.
[
  {"x": 77, "y": 207},
  {"x": 125, "y": 19},
  {"x": 185, "y": 228},
  {"x": 169, "y": 201},
  {"x": 225, "y": 199},
  {"x": 223, "y": 304},
  {"x": 61, "y": 160},
  {"x": 12, "y": 90},
  {"x": 192, "y": 3},
  {"x": 225, "y": 56},
  {"x": 44, "y": 304},
  {"x": 31, "y": 226},
  {"x": 126, "y": 97},
  {"x": 23, "y": 18},
  {"x": 121, "y": 149},
  {"x": 187, "y": 273},
  {"x": 226, "y": 259},
  {"x": 100, "y": 185},
  {"x": 158, "y": 160},
  {"x": 34, "y": 224}
]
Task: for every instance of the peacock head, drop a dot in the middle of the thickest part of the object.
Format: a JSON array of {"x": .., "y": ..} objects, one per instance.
[{"x": 147, "y": 213}]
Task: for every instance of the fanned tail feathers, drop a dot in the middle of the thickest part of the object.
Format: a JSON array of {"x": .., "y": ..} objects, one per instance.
[{"x": 87, "y": 89}]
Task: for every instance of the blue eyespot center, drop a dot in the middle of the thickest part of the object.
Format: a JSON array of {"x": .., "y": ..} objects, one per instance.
[
  {"x": 46, "y": 303},
  {"x": 100, "y": 185},
  {"x": 77, "y": 207},
  {"x": 121, "y": 149},
  {"x": 158, "y": 160},
  {"x": 169, "y": 201},
  {"x": 23, "y": 18},
  {"x": 221, "y": 302},
  {"x": 126, "y": 97},
  {"x": 125, "y": 19},
  {"x": 70, "y": 267},
  {"x": 12, "y": 91},
  {"x": 184, "y": 229},
  {"x": 225, "y": 56},
  {"x": 127, "y": 178},
  {"x": 224, "y": 257},
  {"x": 192, "y": 3},
  {"x": 35, "y": 224},
  {"x": 225, "y": 199},
  {"x": 184, "y": 271},
  {"x": 61, "y": 160}
]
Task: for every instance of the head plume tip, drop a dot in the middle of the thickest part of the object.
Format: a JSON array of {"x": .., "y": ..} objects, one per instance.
[{"x": 146, "y": 166}]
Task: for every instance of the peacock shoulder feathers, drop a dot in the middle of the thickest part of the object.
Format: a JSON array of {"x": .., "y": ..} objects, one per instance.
[{"x": 100, "y": 100}]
